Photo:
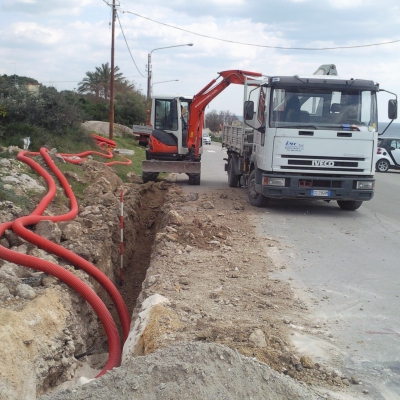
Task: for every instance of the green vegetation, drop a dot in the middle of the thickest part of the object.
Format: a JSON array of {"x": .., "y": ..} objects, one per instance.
[
  {"x": 53, "y": 119},
  {"x": 22, "y": 201}
]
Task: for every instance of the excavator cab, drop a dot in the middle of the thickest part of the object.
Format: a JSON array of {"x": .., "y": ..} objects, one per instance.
[{"x": 168, "y": 141}]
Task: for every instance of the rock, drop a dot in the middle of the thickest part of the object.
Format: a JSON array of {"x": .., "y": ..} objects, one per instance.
[
  {"x": 207, "y": 205},
  {"x": 4, "y": 292},
  {"x": 39, "y": 253},
  {"x": 4, "y": 162},
  {"x": 16, "y": 270},
  {"x": 25, "y": 292},
  {"x": 174, "y": 218},
  {"x": 355, "y": 380},
  {"x": 337, "y": 380},
  {"x": 192, "y": 197},
  {"x": 257, "y": 338},
  {"x": 13, "y": 239},
  {"x": 48, "y": 230},
  {"x": 48, "y": 280},
  {"x": 306, "y": 362},
  {"x": 125, "y": 152},
  {"x": 23, "y": 183},
  {"x": 298, "y": 367},
  {"x": 71, "y": 231},
  {"x": 4, "y": 243},
  {"x": 132, "y": 177}
]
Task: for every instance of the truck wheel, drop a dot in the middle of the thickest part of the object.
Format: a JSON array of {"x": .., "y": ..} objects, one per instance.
[
  {"x": 194, "y": 179},
  {"x": 149, "y": 176},
  {"x": 233, "y": 179},
  {"x": 382, "y": 165},
  {"x": 349, "y": 205},
  {"x": 255, "y": 199}
]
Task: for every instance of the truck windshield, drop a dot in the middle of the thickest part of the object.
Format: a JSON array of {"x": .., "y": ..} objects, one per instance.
[{"x": 323, "y": 109}]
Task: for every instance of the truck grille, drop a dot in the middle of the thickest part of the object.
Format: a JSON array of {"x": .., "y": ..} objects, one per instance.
[{"x": 321, "y": 163}]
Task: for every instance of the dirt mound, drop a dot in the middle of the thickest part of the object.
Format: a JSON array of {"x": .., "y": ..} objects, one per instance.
[{"x": 191, "y": 371}]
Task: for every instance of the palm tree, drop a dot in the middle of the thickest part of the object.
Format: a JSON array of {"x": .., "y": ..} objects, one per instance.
[
  {"x": 104, "y": 73},
  {"x": 98, "y": 82},
  {"x": 90, "y": 84}
]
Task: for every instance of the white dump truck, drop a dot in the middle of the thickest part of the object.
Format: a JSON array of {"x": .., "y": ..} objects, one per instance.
[{"x": 306, "y": 137}]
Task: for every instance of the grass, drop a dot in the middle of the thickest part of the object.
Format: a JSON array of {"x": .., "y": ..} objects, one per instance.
[{"x": 23, "y": 202}]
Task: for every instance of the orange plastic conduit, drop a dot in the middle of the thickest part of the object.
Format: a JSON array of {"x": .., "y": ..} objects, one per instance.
[
  {"x": 102, "y": 142},
  {"x": 19, "y": 224},
  {"x": 57, "y": 271},
  {"x": 114, "y": 345}
]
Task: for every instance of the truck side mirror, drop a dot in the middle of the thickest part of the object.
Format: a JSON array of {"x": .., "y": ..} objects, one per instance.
[
  {"x": 392, "y": 109},
  {"x": 248, "y": 110}
]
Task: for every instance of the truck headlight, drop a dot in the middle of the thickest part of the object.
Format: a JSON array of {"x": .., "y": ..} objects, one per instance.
[
  {"x": 268, "y": 181},
  {"x": 365, "y": 185}
]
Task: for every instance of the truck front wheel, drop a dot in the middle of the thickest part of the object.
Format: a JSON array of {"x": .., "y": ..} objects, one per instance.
[
  {"x": 255, "y": 199},
  {"x": 233, "y": 179},
  {"x": 149, "y": 176},
  {"x": 349, "y": 205}
]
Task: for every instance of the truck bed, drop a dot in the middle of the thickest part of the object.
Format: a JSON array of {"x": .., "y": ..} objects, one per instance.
[
  {"x": 235, "y": 138},
  {"x": 142, "y": 132}
]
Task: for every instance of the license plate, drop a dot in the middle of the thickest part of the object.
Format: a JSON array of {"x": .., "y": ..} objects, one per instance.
[{"x": 325, "y": 193}]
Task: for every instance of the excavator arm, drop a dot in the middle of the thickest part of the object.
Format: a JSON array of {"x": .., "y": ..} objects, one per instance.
[{"x": 203, "y": 98}]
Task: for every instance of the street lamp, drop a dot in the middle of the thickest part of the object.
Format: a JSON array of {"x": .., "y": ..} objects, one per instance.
[
  {"x": 149, "y": 71},
  {"x": 155, "y": 83}
]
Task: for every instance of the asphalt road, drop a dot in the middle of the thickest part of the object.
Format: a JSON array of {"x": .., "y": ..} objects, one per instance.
[{"x": 345, "y": 266}]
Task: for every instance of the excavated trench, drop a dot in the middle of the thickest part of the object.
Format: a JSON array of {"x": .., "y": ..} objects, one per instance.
[
  {"x": 143, "y": 207},
  {"x": 139, "y": 240}
]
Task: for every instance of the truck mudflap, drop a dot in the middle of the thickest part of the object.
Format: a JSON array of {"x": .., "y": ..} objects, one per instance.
[
  {"x": 313, "y": 188},
  {"x": 183, "y": 167}
]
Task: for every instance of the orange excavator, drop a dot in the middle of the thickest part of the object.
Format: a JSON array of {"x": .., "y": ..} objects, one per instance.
[{"x": 175, "y": 142}]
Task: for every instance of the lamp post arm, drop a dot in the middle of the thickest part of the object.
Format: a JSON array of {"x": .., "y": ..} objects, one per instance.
[{"x": 149, "y": 71}]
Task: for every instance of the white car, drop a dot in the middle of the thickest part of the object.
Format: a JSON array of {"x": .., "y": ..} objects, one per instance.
[
  {"x": 388, "y": 156},
  {"x": 206, "y": 139}
]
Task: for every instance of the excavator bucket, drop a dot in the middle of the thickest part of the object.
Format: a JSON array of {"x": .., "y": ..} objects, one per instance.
[{"x": 183, "y": 167}]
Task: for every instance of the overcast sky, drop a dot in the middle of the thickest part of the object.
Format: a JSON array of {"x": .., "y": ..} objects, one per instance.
[{"x": 58, "y": 41}]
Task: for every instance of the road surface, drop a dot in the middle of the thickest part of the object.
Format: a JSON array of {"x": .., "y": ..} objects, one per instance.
[{"x": 345, "y": 266}]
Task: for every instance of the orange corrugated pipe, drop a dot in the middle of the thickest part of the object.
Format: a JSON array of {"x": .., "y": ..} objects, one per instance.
[{"x": 90, "y": 296}]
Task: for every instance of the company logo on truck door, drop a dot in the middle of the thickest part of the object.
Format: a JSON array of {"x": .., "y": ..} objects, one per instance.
[
  {"x": 294, "y": 146},
  {"x": 323, "y": 163}
]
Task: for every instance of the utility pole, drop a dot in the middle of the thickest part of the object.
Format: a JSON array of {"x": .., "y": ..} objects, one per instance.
[
  {"x": 111, "y": 134},
  {"x": 149, "y": 77}
]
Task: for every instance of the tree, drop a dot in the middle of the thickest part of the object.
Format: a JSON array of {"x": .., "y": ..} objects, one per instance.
[
  {"x": 90, "y": 84},
  {"x": 98, "y": 82},
  {"x": 130, "y": 108},
  {"x": 215, "y": 120}
]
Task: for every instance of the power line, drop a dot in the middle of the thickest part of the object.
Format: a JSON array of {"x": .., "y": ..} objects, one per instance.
[
  {"x": 128, "y": 46},
  {"x": 260, "y": 45}
]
